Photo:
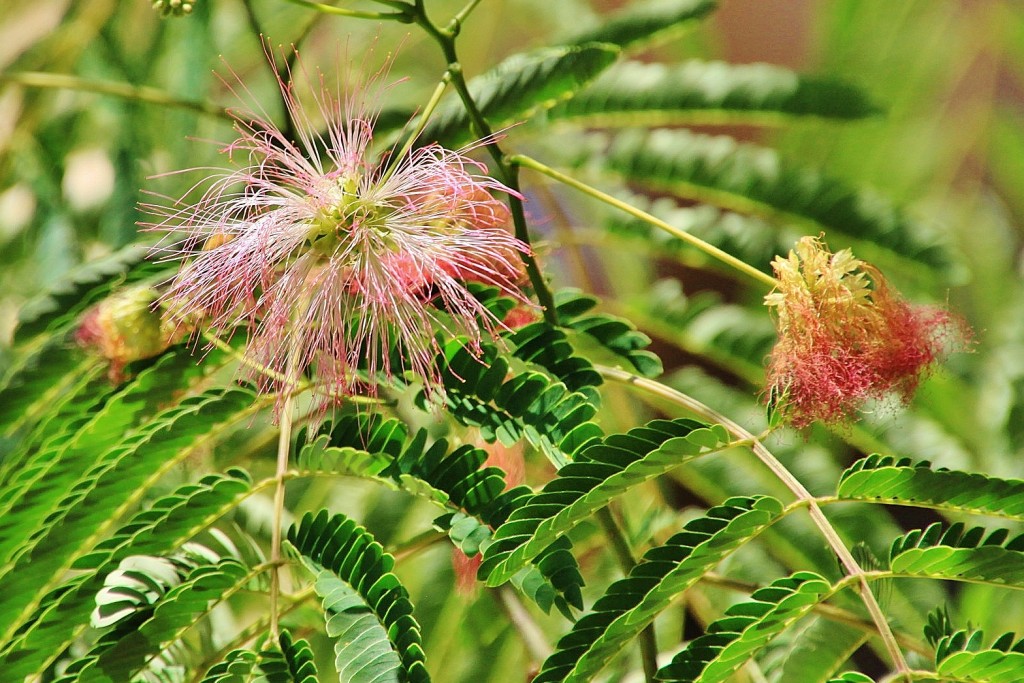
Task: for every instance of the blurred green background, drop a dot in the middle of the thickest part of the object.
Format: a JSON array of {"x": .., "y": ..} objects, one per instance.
[{"x": 949, "y": 149}]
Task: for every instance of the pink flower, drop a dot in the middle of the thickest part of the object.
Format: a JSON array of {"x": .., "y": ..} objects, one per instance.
[
  {"x": 845, "y": 336},
  {"x": 330, "y": 257}
]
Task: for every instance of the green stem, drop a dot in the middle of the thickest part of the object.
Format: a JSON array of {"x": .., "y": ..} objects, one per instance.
[
  {"x": 299, "y": 387},
  {"x": 401, "y": 16},
  {"x": 140, "y": 93},
  {"x": 421, "y": 123},
  {"x": 507, "y": 171},
  {"x": 283, "y": 448},
  {"x": 461, "y": 15},
  {"x": 620, "y": 546},
  {"x": 533, "y": 638},
  {"x": 853, "y": 569},
  {"x": 690, "y": 239}
]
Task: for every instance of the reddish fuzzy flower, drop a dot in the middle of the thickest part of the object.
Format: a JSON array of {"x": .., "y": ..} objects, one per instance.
[
  {"x": 845, "y": 336},
  {"x": 124, "y": 328},
  {"x": 508, "y": 459},
  {"x": 331, "y": 258}
]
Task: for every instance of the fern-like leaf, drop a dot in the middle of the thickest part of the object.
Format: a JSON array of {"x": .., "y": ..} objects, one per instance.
[
  {"x": 55, "y": 310},
  {"x": 165, "y": 526},
  {"x": 171, "y": 616},
  {"x": 473, "y": 496},
  {"x": 888, "y": 479},
  {"x": 51, "y": 473},
  {"x": 358, "y": 582},
  {"x": 697, "y": 92},
  {"x": 753, "y": 179},
  {"x": 746, "y": 628},
  {"x": 518, "y": 88},
  {"x": 600, "y": 472},
  {"x": 646, "y": 22},
  {"x": 630, "y": 604},
  {"x": 616, "y": 335},
  {"x": 479, "y": 393},
  {"x": 960, "y": 554},
  {"x": 960, "y": 656},
  {"x": 299, "y": 656}
]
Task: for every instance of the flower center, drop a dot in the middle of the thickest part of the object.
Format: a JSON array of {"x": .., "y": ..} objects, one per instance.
[{"x": 328, "y": 230}]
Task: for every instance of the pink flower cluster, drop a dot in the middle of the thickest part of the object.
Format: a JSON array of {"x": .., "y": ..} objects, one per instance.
[
  {"x": 336, "y": 261},
  {"x": 845, "y": 336}
]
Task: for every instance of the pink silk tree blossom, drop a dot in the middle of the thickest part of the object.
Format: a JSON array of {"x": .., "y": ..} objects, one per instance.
[
  {"x": 846, "y": 336},
  {"x": 330, "y": 257}
]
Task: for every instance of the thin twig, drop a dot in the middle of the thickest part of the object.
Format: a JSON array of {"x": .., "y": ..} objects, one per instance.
[
  {"x": 690, "y": 239},
  {"x": 620, "y": 545},
  {"x": 508, "y": 172},
  {"x": 283, "y": 447},
  {"x": 139, "y": 93},
  {"x": 836, "y": 543},
  {"x": 524, "y": 624}
]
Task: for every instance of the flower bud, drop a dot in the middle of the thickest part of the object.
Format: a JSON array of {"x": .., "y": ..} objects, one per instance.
[{"x": 123, "y": 328}]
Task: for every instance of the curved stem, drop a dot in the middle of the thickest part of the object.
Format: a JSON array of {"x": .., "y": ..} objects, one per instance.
[
  {"x": 508, "y": 172},
  {"x": 620, "y": 545},
  {"x": 400, "y": 16},
  {"x": 832, "y": 537},
  {"x": 421, "y": 123},
  {"x": 283, "y": 447},
  {"x": 139, "y": 93},
  {"x": 709, "y": 249}
]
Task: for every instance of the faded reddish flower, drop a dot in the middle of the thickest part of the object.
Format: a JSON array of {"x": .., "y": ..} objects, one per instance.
[
  {"x": 124, "y": 328},
  {"x": 330, "y": 257},
  {"x": 509, "y": 459},
  {"x": 845, "y": 336}
]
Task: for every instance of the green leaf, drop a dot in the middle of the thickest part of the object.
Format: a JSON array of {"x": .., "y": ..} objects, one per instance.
[
  {"x": 746, "y": 628},
  {"x": 617, "y": 335},
  {"x": 960, "y": 656},
  {"x": 480, "y": 393},
  {"x": 519, "y": 88},
  {"x": 33, "y": 386},
  {"x": 632, "y": 603},
  {"x": 697, "y": 92},
  {"x": 51, "y": 473},
  {"x": 819, "y": 650},
  {"x": 960, "y": 554},
  {"x": 248, "y": 666},
  {"x": 601, "y": 472},
  {"x": 899, "y": 481},
  {"x": 300, "y": 660},
  {"x": 87, "y": 284},
  {"x": 102, "y": 494},
  {"x": 161, "y": 528},
  {"x": 751, "y": 179},
  {"x": 642, "y": 23},
  {"x": 172, "y": 615},
  {"x": 368, "y": 610},
  {"x": 473, "y": 495}
]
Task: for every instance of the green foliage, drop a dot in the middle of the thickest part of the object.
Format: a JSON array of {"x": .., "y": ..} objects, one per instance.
[
  {"x": 634, "y": 93},
  {"x": 646, "y": 21},
  {"x": 745, "y": 628},
  {"x": 599, "y": 473},
  {"x": 752, "y": 179},
  {"x": 630, "y": 604},
  {"x": 900, "y": 481},
  {"x": 368, "y": 610},
  {"x": 519, "y": 88},
  {"x": 956, "y": 552},
  {"x": 554, "y": 464}
]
